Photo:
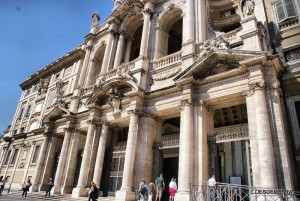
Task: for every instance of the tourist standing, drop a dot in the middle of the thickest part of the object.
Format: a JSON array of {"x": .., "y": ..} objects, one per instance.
[
  {"x": 142, "y": 189},
  {"x": 172, "y": 189},
  {"x": 50, "y": 186},
  {"x": 211, "y": 183},
  {"x": 26, "y": 187},
  {"x": 93, "y": 193},
  {"x": 151, "y": 189},
  {"x": 160, "y": 187}
]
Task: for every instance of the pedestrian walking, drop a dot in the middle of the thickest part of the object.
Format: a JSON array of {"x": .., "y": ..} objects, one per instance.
[
  {"x": 142, "y": 189},
  {"x": 93, "y": 192},
  {"x": 172, "y": 189},
  {"x": 160, "y": 187}
]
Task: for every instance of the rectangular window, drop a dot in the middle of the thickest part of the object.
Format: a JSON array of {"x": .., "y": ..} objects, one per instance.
[
  {"x": 7, "y": 157},
  {"x": 21, "y": 113},
  {"x": 13, "y": 161},
  {"x": 285, "y": 9},
  {"x": 36, "y": 154},
  {"x": 28, "y": 110}
]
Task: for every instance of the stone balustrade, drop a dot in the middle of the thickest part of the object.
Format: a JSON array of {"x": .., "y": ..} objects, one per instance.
[
  {"x": 230, "y": 133},
  {"x": 115, "y": 72},
  {"x": 121, "y": 146},
  {"x": 168, "y": 60},
  {"x": 170, "y": 140}
]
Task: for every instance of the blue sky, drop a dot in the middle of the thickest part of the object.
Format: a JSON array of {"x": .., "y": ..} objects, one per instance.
[{"x": 33, "y": 34}]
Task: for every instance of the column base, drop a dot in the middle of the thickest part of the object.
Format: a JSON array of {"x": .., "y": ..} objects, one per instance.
[
  {"x": 122, "y": 195},
  {"x": 79, "y": 192},
  {"x": 66, "y": 189},
  {"x": 56, "y": 190},
  {"x": 182, "y": 196},
  {"x": 35, "y": 188}
]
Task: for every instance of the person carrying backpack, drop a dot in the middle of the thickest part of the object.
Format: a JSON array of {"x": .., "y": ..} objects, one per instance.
[{"x": 142, "y": 189}]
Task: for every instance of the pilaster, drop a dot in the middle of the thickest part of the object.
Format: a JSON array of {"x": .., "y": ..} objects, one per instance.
[{"x": 108, "y": 49}]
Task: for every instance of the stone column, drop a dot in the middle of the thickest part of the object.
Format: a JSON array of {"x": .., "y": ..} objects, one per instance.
[
  {"x": 128, "y": 49},
  {"x": 39, "y": 165},
  {"x": 120, "y": 52},
  {"x": 125, "y": 193},
  {"x": 145, "y": 33},
  {"x": 279, "y": 130},
  {"x": 108, "y": 50},
  {"x": 185, "y": 151},
  {"x": 188, "y": 41},
  {"x": 100, "y": 155},
  {"x": 265, "y": 148},
  {"x": 71, "y": 164},
  {"x": 91, "y": 77},
  {"x": 253, "y": 138},
  {"x": 188, "y": 22},
  {"x": 84, "y": 169},
  {"x": 158, "y": 35},
  {"x": 202, "y": 142},
  {"x": 63, "y": 158}
]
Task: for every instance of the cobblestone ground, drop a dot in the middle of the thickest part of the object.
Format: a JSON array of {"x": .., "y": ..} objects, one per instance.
[{"x": 17, "y": 196}]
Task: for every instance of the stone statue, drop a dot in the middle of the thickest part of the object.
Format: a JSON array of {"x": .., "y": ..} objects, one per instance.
[
  {"x": 43, "y": 86},
  {"x": 100, "y": 81},
  {"x": 95, "y": 19},
  {"x": 247, "y": 7},
  {"x": 114, "y": 100},
  {"x": 59, "y": 86},
  {"x": 125, "y": 73}
]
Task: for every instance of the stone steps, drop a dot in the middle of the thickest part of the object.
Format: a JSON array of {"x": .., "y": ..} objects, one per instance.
[{"x": 41, "y": 196}]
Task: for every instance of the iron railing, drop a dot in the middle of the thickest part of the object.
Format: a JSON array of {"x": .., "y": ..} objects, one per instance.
[{"x": 200, "y": 191}]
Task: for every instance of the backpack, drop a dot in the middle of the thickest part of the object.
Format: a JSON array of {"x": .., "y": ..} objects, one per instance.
[
  {"x": 96, "y": 195},
  {"x": 144, "y": 188}
]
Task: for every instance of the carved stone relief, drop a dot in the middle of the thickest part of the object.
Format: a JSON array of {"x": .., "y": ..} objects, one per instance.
[{"x": 114, "y": 100}]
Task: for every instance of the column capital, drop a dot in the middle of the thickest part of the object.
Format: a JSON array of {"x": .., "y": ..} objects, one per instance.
[
  {"x": 134, "y": 111},
  {"x": 185, "y": 102},
  {"x": 93, "y": 122}
]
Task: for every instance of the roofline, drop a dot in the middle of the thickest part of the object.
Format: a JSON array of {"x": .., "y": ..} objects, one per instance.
[{"x": 55, "y": 66}]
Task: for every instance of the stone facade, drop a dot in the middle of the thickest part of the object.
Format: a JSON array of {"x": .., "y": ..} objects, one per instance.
[{"x": 185, "y": 88}]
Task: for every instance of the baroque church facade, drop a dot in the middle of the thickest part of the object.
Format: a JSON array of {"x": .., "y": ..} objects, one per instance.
[{"x": 186, "y": 88}]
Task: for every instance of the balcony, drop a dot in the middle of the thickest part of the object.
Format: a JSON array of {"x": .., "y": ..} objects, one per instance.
[
  {"x": 227, "y": 21},
  {"x": 169, "y": 60}
]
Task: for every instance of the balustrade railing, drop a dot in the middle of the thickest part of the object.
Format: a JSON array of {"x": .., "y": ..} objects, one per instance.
[
  {"x": 115, "y": 72},
  {"x": 170, "y": 140},
  {"x": 200, "y": 191},
  {"x": 167, "y": 60}
]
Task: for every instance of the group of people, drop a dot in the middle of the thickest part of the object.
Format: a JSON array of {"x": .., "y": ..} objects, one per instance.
[{"x": 159, "y": 186}]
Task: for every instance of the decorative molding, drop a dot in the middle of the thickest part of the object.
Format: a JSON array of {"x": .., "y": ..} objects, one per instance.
[{"x": 166, "y": 74}]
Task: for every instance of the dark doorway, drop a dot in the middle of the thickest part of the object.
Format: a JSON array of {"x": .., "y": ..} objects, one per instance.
[{"x": 170, "y": 170}]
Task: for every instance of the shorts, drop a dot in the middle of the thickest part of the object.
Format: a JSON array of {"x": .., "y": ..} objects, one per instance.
[
  {"x": 172, "y": 192},
  {"x": 159, "y": 191}
]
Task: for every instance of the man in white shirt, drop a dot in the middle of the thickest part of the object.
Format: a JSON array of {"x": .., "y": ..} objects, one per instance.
[{"x": 211, "y": 183}]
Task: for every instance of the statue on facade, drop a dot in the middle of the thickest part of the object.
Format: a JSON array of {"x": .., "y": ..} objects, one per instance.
[
  {"x": 95, "y": 19},
  {"x": 217, "y": 43},
  {"x": 100, "y": 81},
  {"x": 125, "y": 73},
  {"x": 114, "y": 100},
  {"x": 43, "y": 86},
  {"x": 247, "y": 7}
]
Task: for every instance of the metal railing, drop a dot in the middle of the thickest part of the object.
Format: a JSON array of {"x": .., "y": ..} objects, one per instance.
[{"x": 229, "y": 192}]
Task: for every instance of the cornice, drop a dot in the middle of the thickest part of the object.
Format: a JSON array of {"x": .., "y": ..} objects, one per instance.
[{"x": 64, "y": 61}]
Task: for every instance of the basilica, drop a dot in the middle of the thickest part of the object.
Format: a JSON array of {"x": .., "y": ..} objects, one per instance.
[{"x": 186, "y": 88}]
